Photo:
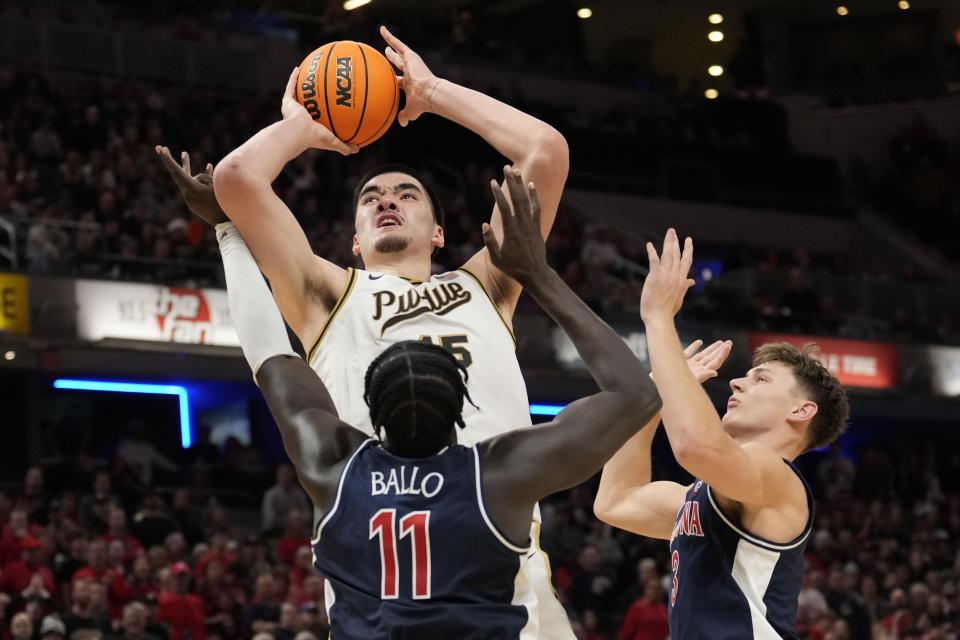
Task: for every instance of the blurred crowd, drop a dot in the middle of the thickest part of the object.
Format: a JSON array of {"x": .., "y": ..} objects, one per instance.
[
  {"x": 92, "y": 551},
  {"x": 921, "y": 189}
]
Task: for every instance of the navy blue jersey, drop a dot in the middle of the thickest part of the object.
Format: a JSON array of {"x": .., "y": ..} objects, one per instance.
[
  {"x": 728, "y": 583},
  {"x": 409, "y": 551}
]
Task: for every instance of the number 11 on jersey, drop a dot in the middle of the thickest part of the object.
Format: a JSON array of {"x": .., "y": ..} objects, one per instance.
[{"x": 415, "y": 524}]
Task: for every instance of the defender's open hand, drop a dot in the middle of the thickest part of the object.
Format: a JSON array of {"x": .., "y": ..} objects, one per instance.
[
  {"x": 196, "y": 191},
  {"x": 521, "y": 254}
]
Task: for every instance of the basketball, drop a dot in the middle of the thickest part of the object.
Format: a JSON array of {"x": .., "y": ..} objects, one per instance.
[{"x": 350, "y": 88}]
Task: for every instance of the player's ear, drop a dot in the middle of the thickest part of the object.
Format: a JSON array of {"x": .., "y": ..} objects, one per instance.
[
  {"x": 356, "y": 245},
  {"x": 437, "y": 240},
  {"x": 803, "y": 413}
]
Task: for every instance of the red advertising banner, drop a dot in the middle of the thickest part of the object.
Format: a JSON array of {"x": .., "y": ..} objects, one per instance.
[{"x": 856, "y": 363}]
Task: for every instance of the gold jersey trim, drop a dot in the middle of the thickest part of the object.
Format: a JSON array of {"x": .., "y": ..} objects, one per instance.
[
  {"x": 496, "y": 309},
  {"x": 336, "y": 308}
]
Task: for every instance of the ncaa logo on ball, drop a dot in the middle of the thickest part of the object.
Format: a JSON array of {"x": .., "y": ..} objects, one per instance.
[{"x": 344, "y": 82}]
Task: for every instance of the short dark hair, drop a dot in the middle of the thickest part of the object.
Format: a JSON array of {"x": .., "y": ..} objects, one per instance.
[
  {"x": 816, "y": 382},
  {"x": 415, "y": 392},
  {"x": 438, "y": 215}
]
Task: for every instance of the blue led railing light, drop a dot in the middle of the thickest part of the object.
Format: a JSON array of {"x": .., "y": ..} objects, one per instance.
[
  {"x": 186, "y": 432},
  {"x": 545, "y": 409}
]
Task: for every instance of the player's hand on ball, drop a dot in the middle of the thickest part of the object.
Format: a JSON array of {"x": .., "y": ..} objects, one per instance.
[
  {"x": 521, "y": 252},
  {"x": 318, "y": 136},
  {"x": 704, "y": 363},
  {"x": 418, "y": 82},
  {"x": 667, "y": 281},
  {"x": 196, "y": 191}
]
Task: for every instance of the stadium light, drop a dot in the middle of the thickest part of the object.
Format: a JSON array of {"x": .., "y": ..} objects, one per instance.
[
  {"x": 186, "y": 433},
  {"x": 584, "y": 13},
  {"x": 903, "y": 4},
  {"x": 715, "y": 36},
  {"x": 715, "y": 18},
  {"x": 545, "y": 409},
  {"x": 711, "y": 94},
  {"x": 350, "y": 5},
  {"x": 715, "y": 70},
  {"x": 10, "y": 355},
  {"x": 842, "y": 10}
]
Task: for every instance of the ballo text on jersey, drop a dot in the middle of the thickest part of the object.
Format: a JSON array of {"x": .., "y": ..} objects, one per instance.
[
  {"x": 437, "y": 298},
  {"x": 402, "y": 484},
  {"x": 688, "y": 521}
]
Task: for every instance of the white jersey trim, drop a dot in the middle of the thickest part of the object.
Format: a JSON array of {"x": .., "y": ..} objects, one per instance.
[
  {"x": 766, "y": 544},
  {"x": 752, "y": 570},
  {"x": 336, "y": 502},
  {"x": 483, "y": 510}
]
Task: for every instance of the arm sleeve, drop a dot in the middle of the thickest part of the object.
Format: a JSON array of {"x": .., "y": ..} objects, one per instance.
[{"x": 255, "y": 315}]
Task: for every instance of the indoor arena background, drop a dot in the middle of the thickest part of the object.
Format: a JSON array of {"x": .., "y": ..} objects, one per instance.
[{"x": 819, "y": 173}]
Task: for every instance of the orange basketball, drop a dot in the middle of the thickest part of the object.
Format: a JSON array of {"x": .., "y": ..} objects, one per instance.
[{"x": 350, "y": 88}]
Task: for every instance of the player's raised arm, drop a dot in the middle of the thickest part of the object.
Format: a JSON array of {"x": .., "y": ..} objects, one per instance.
[
  {"x": 752, "y": 474},
  {"x": 584, "y": 435},
  {"x": 305, "y": 286},
  {"x": 627, "y": 498},
  {"x": 313, "y": 435},
  {"x": 537, "y": 150}
]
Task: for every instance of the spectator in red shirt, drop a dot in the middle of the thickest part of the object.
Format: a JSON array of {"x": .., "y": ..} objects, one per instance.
[
  {"x": 117, "y": 521},
  {"x": 116, "y": 553},
  {"x": 97, "y": 569},
  {"x": 900, "y": 618},
  {"x": 14, "y": 532},
  {"x": 18, "y": 575},
  {"x": 221, "y": 601},
  {"x": 295, "y": 535},
  {"x": 302, "y": 567},
  {"x": 218, "y": 549},
  {"x": 647, "y": 617},
  {"x": 178, "y": 609}
]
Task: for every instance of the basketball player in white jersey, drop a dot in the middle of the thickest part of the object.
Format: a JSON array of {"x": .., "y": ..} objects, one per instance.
[{"x": 344, "y": 318}]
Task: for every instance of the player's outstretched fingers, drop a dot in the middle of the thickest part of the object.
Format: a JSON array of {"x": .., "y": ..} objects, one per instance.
[
  {"x": 180, "y": 177},
  {"x": 506, "y": 212},
  {"x": 652, "y": 256},
  {"x": 185, "y": 161},
  {"x": 691, "y": 349},
  {"x": 291, "y": 90},
  {"x": 518, "y": 194},
  {"x": 393, "y": 41},
  {"x": 686, "y": 258},
  {"x": 534, "y": 203},
  {"x": 490, "y": 240}
]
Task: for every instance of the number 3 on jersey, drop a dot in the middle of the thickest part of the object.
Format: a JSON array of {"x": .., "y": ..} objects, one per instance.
[
  {"x": 415, "y": 524},
  {"x": 674, "y": 565}
]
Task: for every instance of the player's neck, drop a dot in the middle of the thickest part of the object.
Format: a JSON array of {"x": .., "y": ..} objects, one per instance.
[
  {"x": 781, "y": 440},
  {"x": 413, "y": 267}
]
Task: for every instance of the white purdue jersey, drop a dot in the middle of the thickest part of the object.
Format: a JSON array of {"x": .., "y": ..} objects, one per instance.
[{"x": 453, "y": 310}]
